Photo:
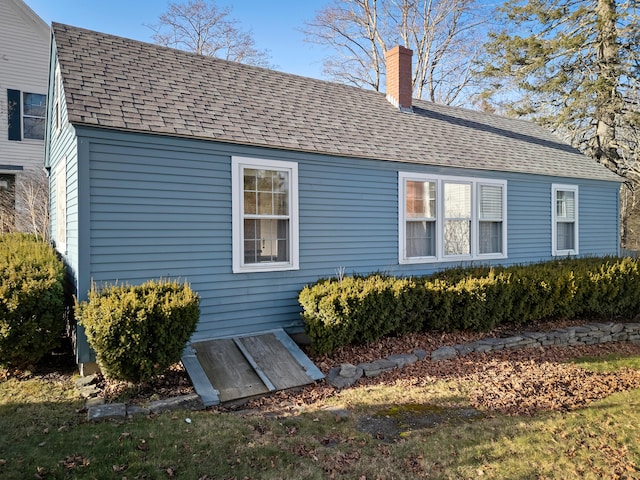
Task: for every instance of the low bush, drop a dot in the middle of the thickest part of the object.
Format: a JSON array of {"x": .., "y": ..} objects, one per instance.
[
  {"x": 31, "y": 299},
  {"x": 139, "y": 331},
  {"x": 349, "y": 310}
]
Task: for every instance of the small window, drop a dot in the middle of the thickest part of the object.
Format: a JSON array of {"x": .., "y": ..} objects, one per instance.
[
  {"x": 26, "y": 112},
  {"x": 565, "y": 220},
  {"x": 265, "y": 220},
  {"x": 34, "y": 107}
]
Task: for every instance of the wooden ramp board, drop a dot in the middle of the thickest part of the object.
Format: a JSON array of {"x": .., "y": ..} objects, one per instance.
[{"x": 226, "y": 369}]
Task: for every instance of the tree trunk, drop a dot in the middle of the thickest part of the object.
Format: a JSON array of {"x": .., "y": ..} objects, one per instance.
[{"x": 608, "y": 98}]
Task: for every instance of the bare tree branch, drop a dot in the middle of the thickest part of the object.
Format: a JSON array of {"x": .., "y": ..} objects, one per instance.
[
  {"x": 200, "y": 26},
  {"x": 443, "y": 34}
]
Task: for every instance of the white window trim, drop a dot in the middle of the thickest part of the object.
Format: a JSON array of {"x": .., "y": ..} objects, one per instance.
[
  {"x": 57, "y": 93},
  {"x": 23, "y": 116},
  {"x": 238, "y": 164},
  {"x": 555, "y": 188},
  {"x": 440, "y": 256},
  {"x": 60, "y": 176}
]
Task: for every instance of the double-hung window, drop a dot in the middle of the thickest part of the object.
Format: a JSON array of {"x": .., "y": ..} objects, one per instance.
[
  {"x": 565, "y": 219},
  {"x": 265, "y": 215},
  {"x": 26, "y": 112},
  {"x": 451, "y": 218},
  {"x": 420, "y": 218}
]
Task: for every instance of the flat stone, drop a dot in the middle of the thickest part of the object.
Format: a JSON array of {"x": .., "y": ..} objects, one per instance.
[
  {"x": 581, "y": 329},
  {"x": 374, "y": 369},
  {"x": 403, "y": 359},
  {"x": 605, "y": 327},
  {"x": 463, "y": 350},
  {"x": 89, "y": 391},
  {"x": 183, "y": 402},
  {"x": 536, "y": 335},
  {"x": 339, "y": 413},
  {"x": 620, "y": 336},
  {"x": 481, "y": 347},
  {"x": 94, "y": 402},
  {"x": 605, "y": 339},
  {"x": 618, "y": 327},
  {"x": 444, "y": 353},
  {"x": 108, "y": 411},
  {"x": 511, "y": 340},
  {"x": 133, "y": 410},
  {"x": 338, "y": 381},
  {"x": 491, "y": 341},
  {"x": 347, "y": 370},
  {"x": 86, "y": 381},
  {"x": 421, "y": 354},
  {"x": 560, "y": 337},
  {"x": 522, "y": 343}
]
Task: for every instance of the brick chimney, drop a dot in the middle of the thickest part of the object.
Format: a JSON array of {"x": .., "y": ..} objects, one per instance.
[{"x": 399, "y": 91}]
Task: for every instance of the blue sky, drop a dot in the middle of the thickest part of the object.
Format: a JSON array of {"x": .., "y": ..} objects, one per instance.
[{"x": 275, "y": 24}]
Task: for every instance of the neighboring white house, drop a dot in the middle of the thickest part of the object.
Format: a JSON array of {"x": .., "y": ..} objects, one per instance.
[{"x": 24, "y": 65}]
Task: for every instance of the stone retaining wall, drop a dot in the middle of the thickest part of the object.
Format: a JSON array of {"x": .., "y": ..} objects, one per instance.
[
  {"x": 591, "y": 334},
  {"x": 347, "y": 374}
]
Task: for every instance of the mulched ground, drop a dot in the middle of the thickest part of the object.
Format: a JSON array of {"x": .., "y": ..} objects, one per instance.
[{"x": 513, "y": 382}]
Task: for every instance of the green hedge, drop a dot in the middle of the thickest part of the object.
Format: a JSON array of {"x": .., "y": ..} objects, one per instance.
[
  {"x": 139, "y": 331},
  {"x": 31, "y": 299},
  {"x": 351, "y": 310}
]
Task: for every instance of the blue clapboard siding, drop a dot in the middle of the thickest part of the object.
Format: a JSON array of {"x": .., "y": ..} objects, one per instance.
[
  {"x": 63, "y": 146},
  {"x": 161, "y": 207}
]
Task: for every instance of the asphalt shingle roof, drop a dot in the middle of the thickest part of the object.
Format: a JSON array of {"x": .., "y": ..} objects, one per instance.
[{"x": 124, "y": 84}]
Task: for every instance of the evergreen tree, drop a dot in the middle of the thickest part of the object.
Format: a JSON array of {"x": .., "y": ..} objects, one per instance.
[{"x": 572, "y": 65}]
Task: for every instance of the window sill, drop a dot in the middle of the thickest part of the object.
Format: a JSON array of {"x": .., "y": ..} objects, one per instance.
[
  {"x": 452, "y": 258},
  {"x": 565, "y": 253},
  {"x": 265, "y": 268}
]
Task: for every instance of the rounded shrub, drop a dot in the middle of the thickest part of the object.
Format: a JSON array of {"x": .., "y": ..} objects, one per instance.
[
  {"x": 139, "y": 331},
  {"x": 31, "y": 299}
]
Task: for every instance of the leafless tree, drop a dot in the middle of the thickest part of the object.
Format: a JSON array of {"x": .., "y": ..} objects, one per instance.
[
  {"x": 24, "y": 203},
  {"x": 444, "y": 35},
  {"x": 33, "y": 203},
  {"x": 200, "y": 26}
]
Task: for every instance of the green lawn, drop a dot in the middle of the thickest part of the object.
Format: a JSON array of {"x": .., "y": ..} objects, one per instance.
[{"x": 43, "y": 435}]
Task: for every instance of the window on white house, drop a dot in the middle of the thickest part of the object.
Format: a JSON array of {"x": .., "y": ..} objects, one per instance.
[
  {"x": 25, "y": 115},
  {"x": 34, "y": 107},
  {"x": 265, "y": 211},
  {"x": 565, "y": 220},
  {"x": 447, "y": 218}
]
